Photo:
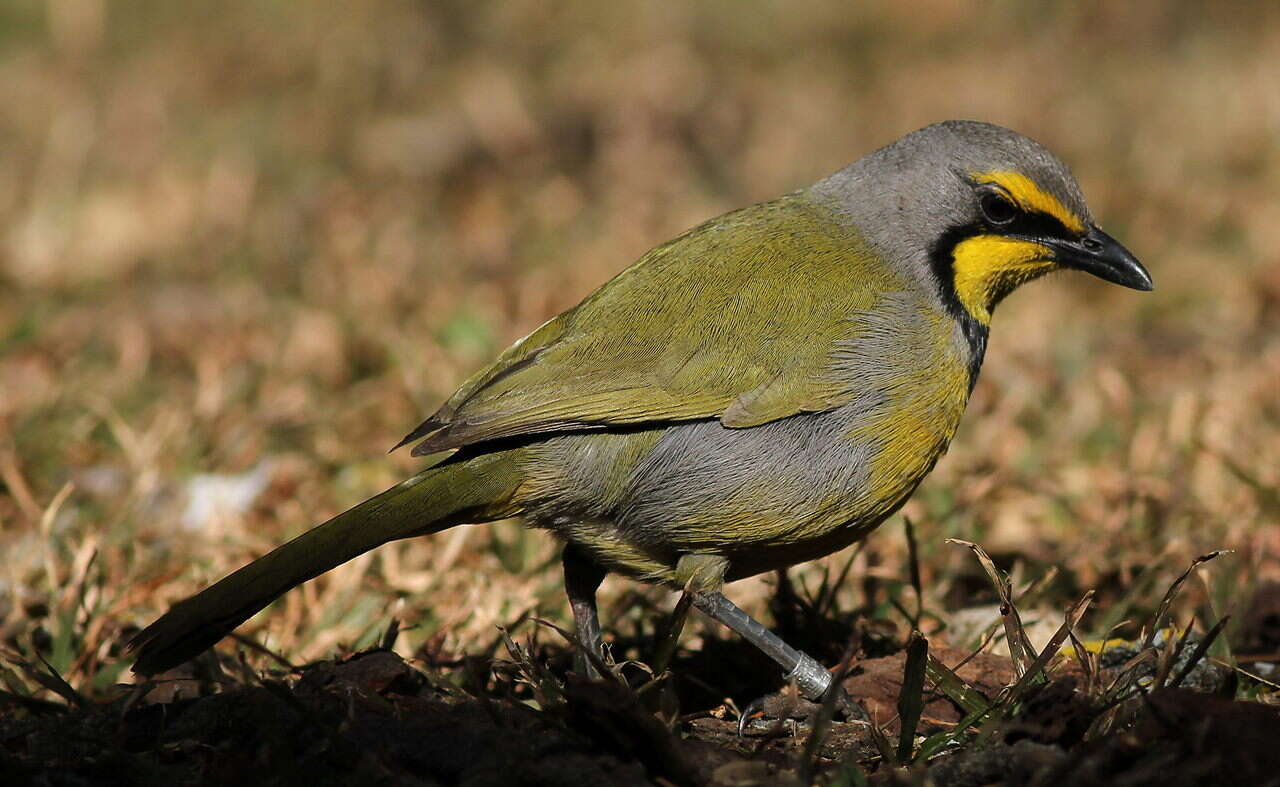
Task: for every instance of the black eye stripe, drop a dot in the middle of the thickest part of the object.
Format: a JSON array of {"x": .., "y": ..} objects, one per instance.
[
  {"x": 1007, "y": 217},
  {"x": 1030, "y": 225},
  {"x": 1038, "y": 225}
]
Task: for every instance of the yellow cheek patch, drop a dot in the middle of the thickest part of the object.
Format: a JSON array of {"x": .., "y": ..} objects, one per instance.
[
  {"x": 1031, "y": 197},
  {"x": 989, "y": 267}
]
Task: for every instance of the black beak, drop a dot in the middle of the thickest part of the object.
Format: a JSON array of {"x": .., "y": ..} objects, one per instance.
[{"x": 1103, "y": 256}]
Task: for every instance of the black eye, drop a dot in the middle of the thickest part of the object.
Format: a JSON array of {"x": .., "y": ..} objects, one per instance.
[{"x": 997, "y": 208}]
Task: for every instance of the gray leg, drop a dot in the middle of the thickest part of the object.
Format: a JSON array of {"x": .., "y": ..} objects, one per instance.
[
  {"x": 582, "y": 577},
  {"x": 811, "y": 678}
]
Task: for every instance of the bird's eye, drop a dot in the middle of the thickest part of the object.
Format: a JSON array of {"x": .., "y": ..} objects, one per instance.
[{"x": 997, "y": 208}]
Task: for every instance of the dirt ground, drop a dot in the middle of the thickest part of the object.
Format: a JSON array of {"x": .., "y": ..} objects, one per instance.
[{"x": 373, "y": 718}]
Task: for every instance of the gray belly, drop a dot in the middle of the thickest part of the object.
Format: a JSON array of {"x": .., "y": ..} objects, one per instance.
[{"x": 765, "y": 497}]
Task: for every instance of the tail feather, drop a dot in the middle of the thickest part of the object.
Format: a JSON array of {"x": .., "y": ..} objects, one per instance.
[{"x": 477, "y": 490}]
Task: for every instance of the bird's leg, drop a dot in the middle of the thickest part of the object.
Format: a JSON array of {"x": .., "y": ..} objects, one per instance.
[
  {"x": 582, "y": 577},
  {"x": 702, "y": 577},
  {"x": 810, "y": 677}
]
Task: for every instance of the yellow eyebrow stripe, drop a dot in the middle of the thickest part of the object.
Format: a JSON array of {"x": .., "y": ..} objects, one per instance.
[{"x": 1031, "y": 197}]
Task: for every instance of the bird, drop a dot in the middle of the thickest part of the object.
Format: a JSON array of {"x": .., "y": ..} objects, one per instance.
[{"x": 763, "y": 390}]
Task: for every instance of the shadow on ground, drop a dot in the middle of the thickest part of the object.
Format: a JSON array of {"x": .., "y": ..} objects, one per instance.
[{"x": 372, "y": 718}]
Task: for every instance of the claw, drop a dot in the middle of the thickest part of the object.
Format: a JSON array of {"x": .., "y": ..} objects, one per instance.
[
  {"x": 846, "y": 707},
  {"x": 780, "y": 706},
  {"x": 753, "y": 707}
]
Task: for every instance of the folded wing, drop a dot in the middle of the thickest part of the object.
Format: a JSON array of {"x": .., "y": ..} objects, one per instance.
[{"x": 736, "y": 319}]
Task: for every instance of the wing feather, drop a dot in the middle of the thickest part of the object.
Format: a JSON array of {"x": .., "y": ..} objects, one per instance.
[{"x": 738, "y": 319}]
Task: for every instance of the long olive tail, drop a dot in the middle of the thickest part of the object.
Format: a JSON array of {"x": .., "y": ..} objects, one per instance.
[{"x": 478, "y": 490}]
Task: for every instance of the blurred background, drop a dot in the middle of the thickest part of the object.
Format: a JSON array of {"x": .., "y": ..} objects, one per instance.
[{"x": 244, "y": 247}]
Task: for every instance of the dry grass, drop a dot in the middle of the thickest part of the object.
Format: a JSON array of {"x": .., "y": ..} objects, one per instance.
[{"x": 284, "y": 232}]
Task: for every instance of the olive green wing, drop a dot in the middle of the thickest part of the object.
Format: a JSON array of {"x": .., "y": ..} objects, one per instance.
[{"x": 737, "y": 320}]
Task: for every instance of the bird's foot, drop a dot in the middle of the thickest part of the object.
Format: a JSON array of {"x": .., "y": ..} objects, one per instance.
[{"x": 769, "y": 713}]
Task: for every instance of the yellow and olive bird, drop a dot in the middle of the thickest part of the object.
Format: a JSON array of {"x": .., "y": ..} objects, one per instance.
[{"x": 763, "y": 390}]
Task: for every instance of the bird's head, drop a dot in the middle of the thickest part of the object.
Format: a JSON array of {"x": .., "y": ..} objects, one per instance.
[{"x": 982, "y": 208}]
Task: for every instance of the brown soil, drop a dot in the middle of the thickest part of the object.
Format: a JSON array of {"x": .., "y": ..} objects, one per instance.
[{"x": 374, "y": 719}]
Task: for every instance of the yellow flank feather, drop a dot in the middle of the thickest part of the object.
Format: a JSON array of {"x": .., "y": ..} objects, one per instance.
[
  {"x": 913, "y": 431},
  {"x": 989, "y": 267},
  {"x": 1031, "y": 197}
]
